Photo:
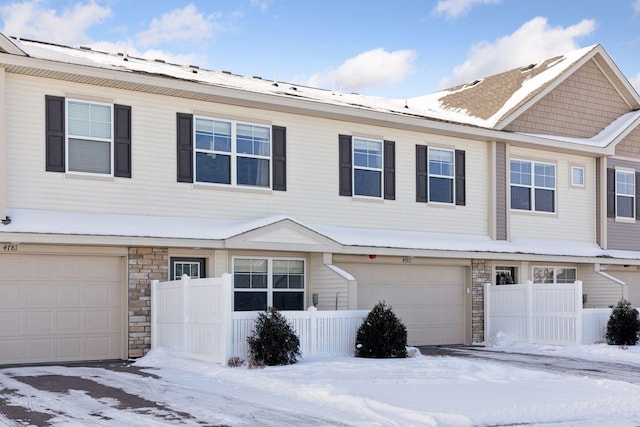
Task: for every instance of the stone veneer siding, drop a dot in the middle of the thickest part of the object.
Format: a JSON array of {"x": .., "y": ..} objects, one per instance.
[
  {"x": 480, "y": 274},
  {"x": 145, "y": 265}
]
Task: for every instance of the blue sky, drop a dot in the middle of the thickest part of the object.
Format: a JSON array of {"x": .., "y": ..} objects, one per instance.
[{"x": 394, "y": 49}]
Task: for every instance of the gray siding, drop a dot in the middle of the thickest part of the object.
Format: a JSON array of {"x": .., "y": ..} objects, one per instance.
[
  {"x": 501, "y": 191},
  {"x": 623, "y": 235}
]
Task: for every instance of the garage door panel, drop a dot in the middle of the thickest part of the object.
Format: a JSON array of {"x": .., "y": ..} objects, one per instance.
[
  {"x": 62, "y": 308},
  {"x": 430, "y": 300},
  {"x": 38, "y": 321}
]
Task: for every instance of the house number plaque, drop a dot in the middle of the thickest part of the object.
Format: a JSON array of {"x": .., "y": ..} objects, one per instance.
[
  {"x": 406, "y": 260},
  {"x": 9, "y": 247}
]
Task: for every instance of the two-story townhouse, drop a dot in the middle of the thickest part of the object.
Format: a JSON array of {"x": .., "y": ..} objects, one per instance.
[{"x": 119, "y": 170}]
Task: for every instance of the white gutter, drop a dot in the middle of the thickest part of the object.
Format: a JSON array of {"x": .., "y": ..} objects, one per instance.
[{"x": 414, "y": 120}]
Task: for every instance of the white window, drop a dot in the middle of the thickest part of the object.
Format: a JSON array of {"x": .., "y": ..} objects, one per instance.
[
  {"x": 533, "y": 186},
  {"x": 232, "y": 153},
  {"x": 625, "y": 194},
  {"x": 192, "y": 268},
  {"x": 555, "y": 274},
  {"x": 367, "y": 167},
  {"x": 441, "y": 175},
  {"x": 268, "y": 282},
  {"x": 89, "y": 137},
  {"x": 577, "y": 176},
  {"x": 506, "y": 275}
]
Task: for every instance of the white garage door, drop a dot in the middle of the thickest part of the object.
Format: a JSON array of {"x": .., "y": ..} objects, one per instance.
[
  {"x": 430, "y": 300},
  {"x": 60, "y": 308}
]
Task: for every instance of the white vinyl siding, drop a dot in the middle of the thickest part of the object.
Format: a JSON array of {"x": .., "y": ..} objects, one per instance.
[
  {"x": 574, "y": 218},
  {"x": 312, "y": 178}
]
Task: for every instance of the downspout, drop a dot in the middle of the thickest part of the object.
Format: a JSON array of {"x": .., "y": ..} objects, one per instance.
[
  {"x": 624, "y": 287},
  {"x": 3, "y": 160}
]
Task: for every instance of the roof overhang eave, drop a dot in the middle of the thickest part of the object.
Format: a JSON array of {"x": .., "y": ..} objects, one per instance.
[{"x": 165, "y": 85}]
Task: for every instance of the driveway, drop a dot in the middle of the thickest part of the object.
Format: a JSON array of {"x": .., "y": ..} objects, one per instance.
[
  {"x": 340, "y": 392},
  {"x": 618, "y": 371}
]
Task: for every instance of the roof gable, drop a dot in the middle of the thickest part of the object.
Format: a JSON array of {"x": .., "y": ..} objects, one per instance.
[
  {"x": 7, "y": 46},
  {"x": 285, "y": 235}
]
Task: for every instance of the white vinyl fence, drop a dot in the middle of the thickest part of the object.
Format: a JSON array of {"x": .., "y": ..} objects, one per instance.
[
  {"x": 195, "y": 317},
  {"x": 541, "y": 313}
]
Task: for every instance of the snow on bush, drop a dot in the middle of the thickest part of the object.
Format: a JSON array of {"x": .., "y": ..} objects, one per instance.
[
  {"x": 273, "y": 341},
  {"x": 381, "y": 334},
  {"x": 623, "y": 325}
]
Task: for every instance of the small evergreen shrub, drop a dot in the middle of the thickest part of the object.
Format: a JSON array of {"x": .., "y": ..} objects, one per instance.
[
  {"x": 273, "y": 341},
  {"x": 382, "y": 334},
  {"x": 623, "y": 325}
]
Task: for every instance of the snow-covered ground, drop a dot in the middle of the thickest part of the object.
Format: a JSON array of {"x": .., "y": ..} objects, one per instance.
[{"x": 418, "y": 391}]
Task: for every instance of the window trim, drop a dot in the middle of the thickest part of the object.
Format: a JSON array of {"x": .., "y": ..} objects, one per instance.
[
  {"x": 68, "y": 136},
  {"x": 532, "y": 187},
  {"x": 379, "y": 170},
  {"x": 451, "y": 178},
  {"x": 632, "y": 173},
  {"x": 233, "y": 153},
  {"x": 269, "y": 288},
  {"x": 199, "y": 260},
  {"x": 571, "y": 176},
  {"x": 555, "y": 272}
]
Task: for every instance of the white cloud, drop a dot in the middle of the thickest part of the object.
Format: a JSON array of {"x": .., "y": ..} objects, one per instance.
[
  {"x": 372, "y": 68},
  {"x": 454, "y": 8},
  {"x": 535, "y": 40},
  {"x": 179, "y": 25},
  {"x": 31, "y": 19},
  {"x": 636, "y": 6},
  {"x": 263, "y": 5}
]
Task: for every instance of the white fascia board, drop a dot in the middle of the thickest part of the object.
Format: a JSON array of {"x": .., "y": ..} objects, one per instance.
[{"x": 306, "y": 106}]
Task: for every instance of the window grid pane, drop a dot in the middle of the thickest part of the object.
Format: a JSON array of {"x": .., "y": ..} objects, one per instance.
[
  {"x": 367, "y": 167},
  {"x": 538, "y": 196},
  {"x": 259, "y": 282},
  {"x": 232, "y": 153}
]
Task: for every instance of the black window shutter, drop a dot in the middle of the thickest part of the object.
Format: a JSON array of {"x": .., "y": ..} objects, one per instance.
[
  {"x": 637, "y": 195},
  {"x": 460, "y": 167},
  {"x": 344, "y": 158},
  {"x": 122, "y": 148},
  {"x": 279, "y": 171},
  {"x": 185, "y": 147},
  {"x": 389, "y": 170},
  {"x": 611, "y": 193},
  {"x": 421, "y": 173},
  {"x": 54, "y": 133}
]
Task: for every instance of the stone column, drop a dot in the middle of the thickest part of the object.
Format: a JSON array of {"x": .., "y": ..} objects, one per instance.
[
  {"x": 480, "y": 274},
  {"x": 145, "y": 265}
]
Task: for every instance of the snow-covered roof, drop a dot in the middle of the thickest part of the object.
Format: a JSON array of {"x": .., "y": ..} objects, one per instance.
[
  {"x": 485, "y": 103},
  {"x": 27, "y": 221}
]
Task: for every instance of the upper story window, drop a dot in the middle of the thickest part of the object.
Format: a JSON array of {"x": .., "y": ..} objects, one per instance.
[
  {"x": 533, "y": 186},
  {"x": 232, "y": 153},
  {"x": 625, "y": 194},
  {"x": 441, "y": 175},
  {"x": 367, "y": 167},
  {"x": 87, "y": 137},
  {"x": 546, "y": 274},
  {"x": 577, "y": 176}
]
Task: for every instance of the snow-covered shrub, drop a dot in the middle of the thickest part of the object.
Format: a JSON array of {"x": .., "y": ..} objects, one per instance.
[
  {"x": 623, "y": 325},
  {"x": 273, "y": 341},
  {"x": 381, "y": 334}
]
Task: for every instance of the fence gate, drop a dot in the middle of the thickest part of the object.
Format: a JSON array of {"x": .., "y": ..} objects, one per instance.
[{"x": 540, "y": 313}]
